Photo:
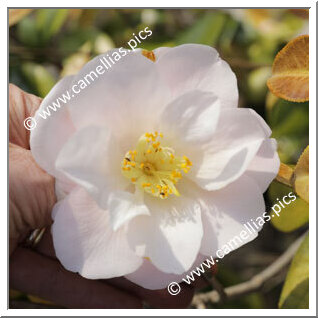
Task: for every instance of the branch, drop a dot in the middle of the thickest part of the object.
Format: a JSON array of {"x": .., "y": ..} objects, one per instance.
[{"x": 255, "y": 283}]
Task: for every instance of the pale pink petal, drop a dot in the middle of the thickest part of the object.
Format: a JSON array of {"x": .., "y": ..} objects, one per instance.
[
  {"x": 124, "y": 206},
  {"x": 63, "y": 186},
  {"x": 227, "y": 155},
  {"x": 194, "y": 66},
  {"x": 50, "y": 134},
  {"x": 84, "y": 241},
  {"x": 91, "y": 159},
  {"x": 265, "y": 165},
  {"x": 126, "y": 98},
  {"x": 160, "y": 51},
  {"x": 164, "y": 235},
  {"x": 226, "y": 211},
  {"x": 148, "y": 276},
  {"x": 191, "y": 118}
]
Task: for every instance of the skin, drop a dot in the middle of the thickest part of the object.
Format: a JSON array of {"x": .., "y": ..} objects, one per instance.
[{"x": 37, "y": 271}]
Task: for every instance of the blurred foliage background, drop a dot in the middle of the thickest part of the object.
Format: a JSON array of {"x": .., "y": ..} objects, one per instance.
[{"x": 47, "y": 44}]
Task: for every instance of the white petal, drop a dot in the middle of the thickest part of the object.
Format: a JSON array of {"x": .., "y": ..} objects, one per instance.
[
  {"x": 160, "y": 51},
  {"x": 194, "y": 66},
  {"x": 227, "y": 155},
  {"x": 191, "y": 118},
  {"x": 125, "y": 99},
  {"x": 84, "y": 241},
  {"x": 50, "y": 134},
  {"x": 63, "y": 187},
  {"x": 124, "y": 206},
  {"x": 226, "y": 211},
  {"x": 91, "y": 159},
  {"x": 265, "y": 165},
  {"x": 148, "y": 276},
  {"x": 164, "y": 235}
]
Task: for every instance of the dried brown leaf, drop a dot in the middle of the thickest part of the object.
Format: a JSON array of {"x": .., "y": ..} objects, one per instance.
[{"x": 290, "y": 79}]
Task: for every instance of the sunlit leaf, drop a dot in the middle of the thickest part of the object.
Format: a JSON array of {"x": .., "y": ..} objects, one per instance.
[
  {"x": 39, "y": 77},
  {"x": 290, "y": 79},
  {"x": 285, "y": 175},
  {"x": 103, "y": 43},
  {"x": 295, "y": 294},
  {"x": 206, "y": 31},
  {"x": 15, "y": 15},
  {"x": 301, "y": 176},
  {"x": 256, "y": 84},
  {"x": 49, "y": 22},
  {"x": 27, "y": 32},
  {"x": 291, "y": 216},
  {"x": 74, "y": 63}
]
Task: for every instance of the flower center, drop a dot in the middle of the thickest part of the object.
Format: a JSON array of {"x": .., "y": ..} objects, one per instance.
[{"x": 154, "y": 167}]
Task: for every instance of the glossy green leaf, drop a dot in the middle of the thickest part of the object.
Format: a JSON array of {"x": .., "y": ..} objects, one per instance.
[
  {"x": 49, "y": 22},
  {"x": 27, "y": 32},
  {"x": 206, "y": 31},
  {"x": 290, "y": 126},
  {"x": 295, "y": 293},
  {"x": 39, "y": 77},
  {"x": 291, "y": 216}
]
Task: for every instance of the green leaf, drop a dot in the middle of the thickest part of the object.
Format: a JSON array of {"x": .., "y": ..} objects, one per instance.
[
  {"x": 292, "y": 216},
  {"x": 39, "y": 77},
  {"x": 206, "y": 31},
  {"x": 49, "y": 22},
  {"x": 27, "y": 32},
  {"x": 290, "y": 126},
  {"x": 256, "y": 84},
  {"x": 295, "y": 293}
]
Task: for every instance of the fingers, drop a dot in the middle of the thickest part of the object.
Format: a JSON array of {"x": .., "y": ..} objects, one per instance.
[
  {"x": 31, "y": 195},
  {"x": 45, "y": 246},
  {"x": 156, "y": 298},
  {"x": 35, "y": 274},
  {"x": 21, "y": 106}
]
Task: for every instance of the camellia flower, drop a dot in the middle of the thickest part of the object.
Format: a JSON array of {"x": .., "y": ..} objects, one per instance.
[{"x": 156, "y": 167}]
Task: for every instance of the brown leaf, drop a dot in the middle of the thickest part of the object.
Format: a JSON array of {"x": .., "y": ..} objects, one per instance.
[
  {"x": 149, "y": 55},
  {"x": 290, "y": 79},
  {"x": 285, "y": 175}
]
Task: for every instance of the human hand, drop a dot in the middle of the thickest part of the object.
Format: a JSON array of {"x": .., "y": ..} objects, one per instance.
[{"x": 37, "y": 271}]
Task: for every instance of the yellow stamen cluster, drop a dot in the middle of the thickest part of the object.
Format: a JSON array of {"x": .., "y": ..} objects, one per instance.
[{"x": 154, "y": 167}]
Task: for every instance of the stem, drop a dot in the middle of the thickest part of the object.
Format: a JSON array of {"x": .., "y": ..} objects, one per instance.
[{"x": 255, "y": 283}]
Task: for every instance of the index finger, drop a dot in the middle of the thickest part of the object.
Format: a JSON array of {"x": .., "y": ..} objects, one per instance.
[{"x": 21, "y": 106}]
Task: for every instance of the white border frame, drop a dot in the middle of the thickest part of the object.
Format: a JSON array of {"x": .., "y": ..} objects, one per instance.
[{"x": 158, "y": 312}]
